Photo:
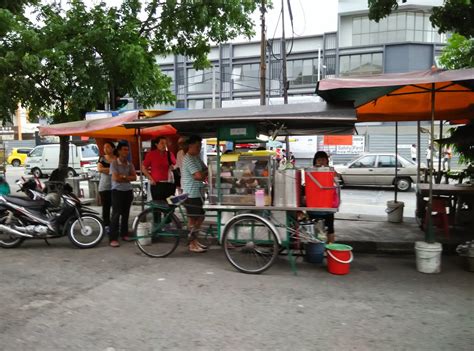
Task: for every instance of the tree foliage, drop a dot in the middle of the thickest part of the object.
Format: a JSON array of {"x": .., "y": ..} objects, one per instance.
[
  {"x": 66, "y": 61},
  {"x": 458, "y": 53},
  {"x": 454, "y": 16}
]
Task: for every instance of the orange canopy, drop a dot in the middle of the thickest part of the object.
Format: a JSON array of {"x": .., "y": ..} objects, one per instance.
[
  {"x": 405, "y": 96},
  {"x": 109, "y": 128}
]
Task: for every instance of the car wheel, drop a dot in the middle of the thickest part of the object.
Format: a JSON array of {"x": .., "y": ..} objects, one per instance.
[
  {"x": 16, "y": 163},
  {"x": 403, "y": 184},
  {"x": 340, "y": 181},
  {"x": 37, "y": 172}
]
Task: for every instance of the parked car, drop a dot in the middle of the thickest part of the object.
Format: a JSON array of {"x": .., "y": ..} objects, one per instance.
[
  {"x": 18, "y": 156},
  {"x": 44, "y": 159},
  {"x": 378, "y": 169}
]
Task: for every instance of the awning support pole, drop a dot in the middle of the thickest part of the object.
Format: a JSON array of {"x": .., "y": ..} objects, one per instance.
[
  {"x": 429, "y": 237},
  {"x": 418, "y": 151},
  {"x": 218, "y": 170},
  {"x": 396, "y": 160}
]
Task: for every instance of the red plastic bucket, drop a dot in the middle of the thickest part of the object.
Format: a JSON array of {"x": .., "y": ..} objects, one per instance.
[
  {"x": 339, "y": 257},
  {"x": 320, "y": 188}
]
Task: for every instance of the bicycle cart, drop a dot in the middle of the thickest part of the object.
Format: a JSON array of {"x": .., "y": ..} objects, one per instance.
[
  {"x": 254, "y": 224},
  {"x": 254, "y": 231}
]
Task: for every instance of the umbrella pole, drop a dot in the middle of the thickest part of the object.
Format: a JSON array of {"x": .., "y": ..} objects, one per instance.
[
  {"x": 440, "y": 151},
  {"x": 418, "y": 152},
  {"x": 396, "y": 160},
  {"x": 429, "y": 237}
]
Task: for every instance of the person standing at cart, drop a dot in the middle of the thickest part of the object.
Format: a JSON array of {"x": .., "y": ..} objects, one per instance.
[
  {"x": 321, "y": 159},
  {"x": 123, "y": 172},
  {"x": 193, "y": 175},
  {"x": 183, "y": 148},
  {"x": 105, "y": 181},
  {"x": 157, "y": 167}
]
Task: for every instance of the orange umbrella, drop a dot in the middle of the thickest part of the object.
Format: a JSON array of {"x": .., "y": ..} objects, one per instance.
[
  {"x": 405, "y": 96},
  {"x": 413, "y": 96}
]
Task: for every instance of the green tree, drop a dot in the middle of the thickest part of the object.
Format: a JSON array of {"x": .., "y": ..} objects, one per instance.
[
  {"x": 67, "y": 61},
  {"x": 458, "y": 53},
  {"x": 454, "y": 16}
]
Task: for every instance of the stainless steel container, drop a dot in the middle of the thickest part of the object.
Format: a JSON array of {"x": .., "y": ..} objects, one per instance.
[{"x": 287, "y": 190}]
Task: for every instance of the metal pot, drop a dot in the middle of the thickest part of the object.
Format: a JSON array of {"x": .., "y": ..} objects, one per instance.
[{"x": 287, "y": 191}]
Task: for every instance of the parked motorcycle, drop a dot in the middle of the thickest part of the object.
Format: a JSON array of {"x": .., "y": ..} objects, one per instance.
[{"x": 45, "y": 216}]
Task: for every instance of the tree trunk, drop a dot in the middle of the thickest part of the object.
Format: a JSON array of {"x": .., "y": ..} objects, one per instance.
[
  {"x": 113, "y": 98},
  {"x": 63, "y": 157}
]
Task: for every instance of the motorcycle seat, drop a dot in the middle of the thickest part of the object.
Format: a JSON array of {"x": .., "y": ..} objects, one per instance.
[{"x": 24, "y": 202}]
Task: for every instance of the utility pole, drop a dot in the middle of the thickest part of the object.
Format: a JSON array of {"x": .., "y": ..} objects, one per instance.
[
  {"x": 284, "y": 74},
  {"x": 263, "y": 42},
  {"x": 283, "y": 53},
  {"x": 213, "y": 86}
]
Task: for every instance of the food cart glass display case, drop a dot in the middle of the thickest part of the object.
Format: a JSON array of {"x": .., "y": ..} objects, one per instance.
[{"x": 243, "y": 178}]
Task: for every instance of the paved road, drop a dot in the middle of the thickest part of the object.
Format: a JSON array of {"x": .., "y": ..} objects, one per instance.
[
  {"x": 360, "y": 200},
  {"x": 62, "y": 298}
]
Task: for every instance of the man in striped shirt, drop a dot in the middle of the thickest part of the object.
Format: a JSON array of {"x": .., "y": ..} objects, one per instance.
[{"x": 193, "y": 174}]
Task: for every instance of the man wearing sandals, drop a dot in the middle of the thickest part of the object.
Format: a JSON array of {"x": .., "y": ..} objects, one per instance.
[{"x": 193, "y": 174}]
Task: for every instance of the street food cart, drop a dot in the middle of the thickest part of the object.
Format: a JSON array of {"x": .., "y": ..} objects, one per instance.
[{"x": 254, "y": 224}]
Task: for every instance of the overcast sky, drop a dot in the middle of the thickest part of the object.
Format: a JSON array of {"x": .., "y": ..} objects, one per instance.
[{"x": 309, "y": 16}]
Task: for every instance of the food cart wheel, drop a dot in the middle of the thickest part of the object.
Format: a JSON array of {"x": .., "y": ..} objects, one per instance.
[
  {"x": 250, "y": 243},
  {"x": 157, "y": 233}
]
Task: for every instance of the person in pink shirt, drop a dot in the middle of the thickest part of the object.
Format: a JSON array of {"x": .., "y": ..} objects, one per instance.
[{"x": 157, "y": 167}]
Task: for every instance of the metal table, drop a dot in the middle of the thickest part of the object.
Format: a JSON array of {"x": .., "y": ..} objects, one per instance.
[
  {"x": 457, "y": 195},
  {"x": 446, "y": 189}
]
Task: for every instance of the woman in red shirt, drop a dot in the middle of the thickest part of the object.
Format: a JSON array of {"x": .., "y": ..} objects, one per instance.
[{"x": 157, "y": 167}]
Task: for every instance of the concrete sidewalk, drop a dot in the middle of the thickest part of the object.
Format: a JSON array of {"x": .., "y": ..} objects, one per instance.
[{"x": 374, "y": 234}]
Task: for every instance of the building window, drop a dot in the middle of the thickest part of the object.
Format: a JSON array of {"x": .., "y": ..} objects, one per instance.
[
  {"x": 171, "y": 75},
  {"x": 302, "y": 72},
  {"x": 246, "y": 77},
  {"x": 200, "y": 81},
  {"x": 364, "y": 64},
  {"x": 397, "y": 27}
]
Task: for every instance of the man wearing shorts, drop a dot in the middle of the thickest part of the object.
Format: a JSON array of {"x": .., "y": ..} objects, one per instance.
[{"x": 193, "y": 174}]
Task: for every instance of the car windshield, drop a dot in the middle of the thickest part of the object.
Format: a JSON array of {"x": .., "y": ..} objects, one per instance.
[{"x": 36, "y": 152}]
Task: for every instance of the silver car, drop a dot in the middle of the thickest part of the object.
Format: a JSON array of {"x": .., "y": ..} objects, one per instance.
[{"x": 378, "y": 169}]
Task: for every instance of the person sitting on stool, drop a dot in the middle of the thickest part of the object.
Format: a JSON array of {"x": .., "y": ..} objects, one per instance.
[{"x": 321, "y": 159}]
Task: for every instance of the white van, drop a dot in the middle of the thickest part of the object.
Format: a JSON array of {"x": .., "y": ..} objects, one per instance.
[{"x": 44, "y": 159}]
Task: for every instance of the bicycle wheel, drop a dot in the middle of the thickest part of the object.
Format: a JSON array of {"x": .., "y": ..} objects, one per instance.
[
  {"x": 157, "y": 233},
  {"x": 250, "y": 244}
]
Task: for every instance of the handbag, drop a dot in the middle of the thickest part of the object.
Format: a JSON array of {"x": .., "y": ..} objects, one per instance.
[{"x": 174, "y": 175}]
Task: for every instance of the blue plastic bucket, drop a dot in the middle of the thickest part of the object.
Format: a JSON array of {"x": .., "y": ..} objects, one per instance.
[{"x": 314, "y": 252}]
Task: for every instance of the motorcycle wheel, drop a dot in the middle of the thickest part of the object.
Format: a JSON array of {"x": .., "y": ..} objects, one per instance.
[
  {"x": 88, "y": 235},
  {"x": 7, "y": 240}
]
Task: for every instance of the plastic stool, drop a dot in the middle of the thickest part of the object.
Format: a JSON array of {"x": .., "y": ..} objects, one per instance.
[{"x": 439, "y": 214}]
